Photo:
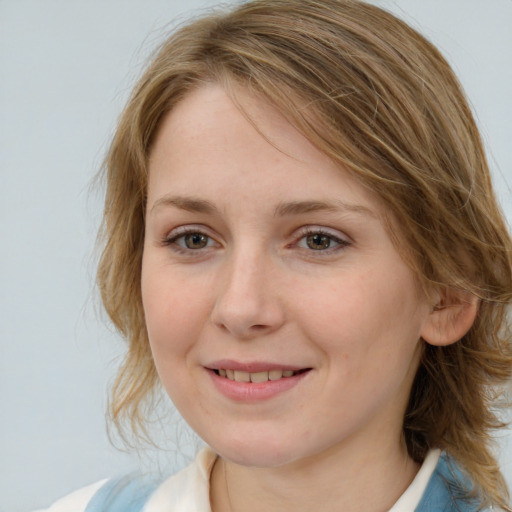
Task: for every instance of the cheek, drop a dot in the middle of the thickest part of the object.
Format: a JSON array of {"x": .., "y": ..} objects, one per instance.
[
  {"x": 171, "y": 320},
  {"x": 172, "y": 308},
  {"x": 366, "y": 317}
]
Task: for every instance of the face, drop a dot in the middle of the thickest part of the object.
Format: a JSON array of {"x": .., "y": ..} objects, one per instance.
[{"x": 283, "y": 323}]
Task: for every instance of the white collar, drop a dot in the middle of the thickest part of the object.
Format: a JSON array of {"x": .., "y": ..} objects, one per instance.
[
  {"x": 411, "y": 498},
  {"x": 188, "y": 490}
]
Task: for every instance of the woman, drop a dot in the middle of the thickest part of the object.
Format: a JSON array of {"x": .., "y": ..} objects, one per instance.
[{"x": 303, "y": 245}]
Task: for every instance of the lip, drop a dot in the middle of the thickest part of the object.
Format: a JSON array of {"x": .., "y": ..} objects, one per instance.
[
  {"x": 251, "y": 367},
  {"x": 252, "y": 392}
]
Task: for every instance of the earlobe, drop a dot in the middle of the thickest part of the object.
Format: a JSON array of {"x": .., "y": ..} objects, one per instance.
[{"x": 451, "y": 318}]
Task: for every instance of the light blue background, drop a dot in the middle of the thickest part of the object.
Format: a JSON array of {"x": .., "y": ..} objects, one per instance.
[{"x": 66, "y": 67}]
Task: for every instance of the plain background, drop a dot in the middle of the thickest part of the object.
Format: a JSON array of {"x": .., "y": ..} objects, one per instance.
[{"x": 66, "y": 68}]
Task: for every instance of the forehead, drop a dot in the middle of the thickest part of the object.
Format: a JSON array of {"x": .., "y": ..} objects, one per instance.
[
  {"x": 210, "y": 127},
  {"x": 203, "y": 114},
  {"x": 225, "y": 142}
]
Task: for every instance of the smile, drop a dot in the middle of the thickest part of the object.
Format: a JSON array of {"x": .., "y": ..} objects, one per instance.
[
  {"x": 254, "y": 381},
  {"x": 256, "y": 377}
]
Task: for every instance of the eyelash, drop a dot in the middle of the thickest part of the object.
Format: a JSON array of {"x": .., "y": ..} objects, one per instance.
[
  {"x": 171, "y": 241},
  {"x": 312, "y": 231}
]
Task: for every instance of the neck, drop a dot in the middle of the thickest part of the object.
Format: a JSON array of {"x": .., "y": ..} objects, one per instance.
[{"x": 340, "y": 479}]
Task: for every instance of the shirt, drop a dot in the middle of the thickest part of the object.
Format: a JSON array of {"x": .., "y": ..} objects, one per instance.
[{"x": 189, "y": 490}]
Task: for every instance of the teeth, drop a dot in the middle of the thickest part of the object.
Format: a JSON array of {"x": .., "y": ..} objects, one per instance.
[
  {"x": 275, "y": 374},
  {"x": 259, "y": 377},
  {"x": 241, "y": 376}
]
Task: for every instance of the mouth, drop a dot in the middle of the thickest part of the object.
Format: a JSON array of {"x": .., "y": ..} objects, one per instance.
[
  {"x": 257, "y": 377},
  {"x": 256, "y": 381}
]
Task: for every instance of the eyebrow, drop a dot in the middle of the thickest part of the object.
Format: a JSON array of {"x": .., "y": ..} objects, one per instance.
[
  {"x": 190, "y": 204},
  {"x": 197, "y": 205},
  {"x": 301, "y": 207}
]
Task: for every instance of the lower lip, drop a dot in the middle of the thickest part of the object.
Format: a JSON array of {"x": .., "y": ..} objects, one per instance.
[{"x": 255, "y": 391}]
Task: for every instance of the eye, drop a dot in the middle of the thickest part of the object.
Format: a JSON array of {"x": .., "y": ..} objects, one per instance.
[
  {"x": 322, "y": 241},
  {"x": 189, "y": 240},
  {"x": 194, "y": 240},
  {"x": 318, "y": 242}
]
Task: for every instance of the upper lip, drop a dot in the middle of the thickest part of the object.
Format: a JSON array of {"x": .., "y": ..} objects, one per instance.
[{"x": 251, "y": 367}]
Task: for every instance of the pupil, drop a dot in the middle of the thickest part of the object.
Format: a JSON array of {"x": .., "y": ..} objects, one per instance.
[
  {"x": 196, "y": 241},
  {"x": 318, "y": 242}
]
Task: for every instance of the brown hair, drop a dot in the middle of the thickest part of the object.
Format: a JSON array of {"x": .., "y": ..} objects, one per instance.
[{"x": 381, "y": 100}]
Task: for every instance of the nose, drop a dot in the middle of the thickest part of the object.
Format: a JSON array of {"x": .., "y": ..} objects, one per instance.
[{"x": 248, "y": 301}]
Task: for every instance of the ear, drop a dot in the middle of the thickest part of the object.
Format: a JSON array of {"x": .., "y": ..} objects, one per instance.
[{"x": 451, "y": 317}]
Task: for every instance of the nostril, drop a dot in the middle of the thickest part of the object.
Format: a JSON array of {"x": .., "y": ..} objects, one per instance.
[{"x": 247, "y": 318}]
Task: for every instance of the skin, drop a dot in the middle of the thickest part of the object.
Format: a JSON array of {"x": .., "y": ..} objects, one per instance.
[{"x": 261, "y": 290}]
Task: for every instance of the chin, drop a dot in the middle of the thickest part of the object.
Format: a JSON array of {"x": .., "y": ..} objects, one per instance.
[
  {"x": 257, "y": 457},
  {"x": 259, "y": 453}
]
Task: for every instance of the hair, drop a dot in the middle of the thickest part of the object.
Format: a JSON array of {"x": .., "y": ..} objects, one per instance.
[{"x": 378, "y": 98}]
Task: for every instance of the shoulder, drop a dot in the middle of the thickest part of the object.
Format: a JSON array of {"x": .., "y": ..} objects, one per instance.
[
  {"x": 447, "y": 490},
  {"x": 127, "y": 493},
  {"x": 187, "y": 490},
  {"x": 76, "y": 501}
]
